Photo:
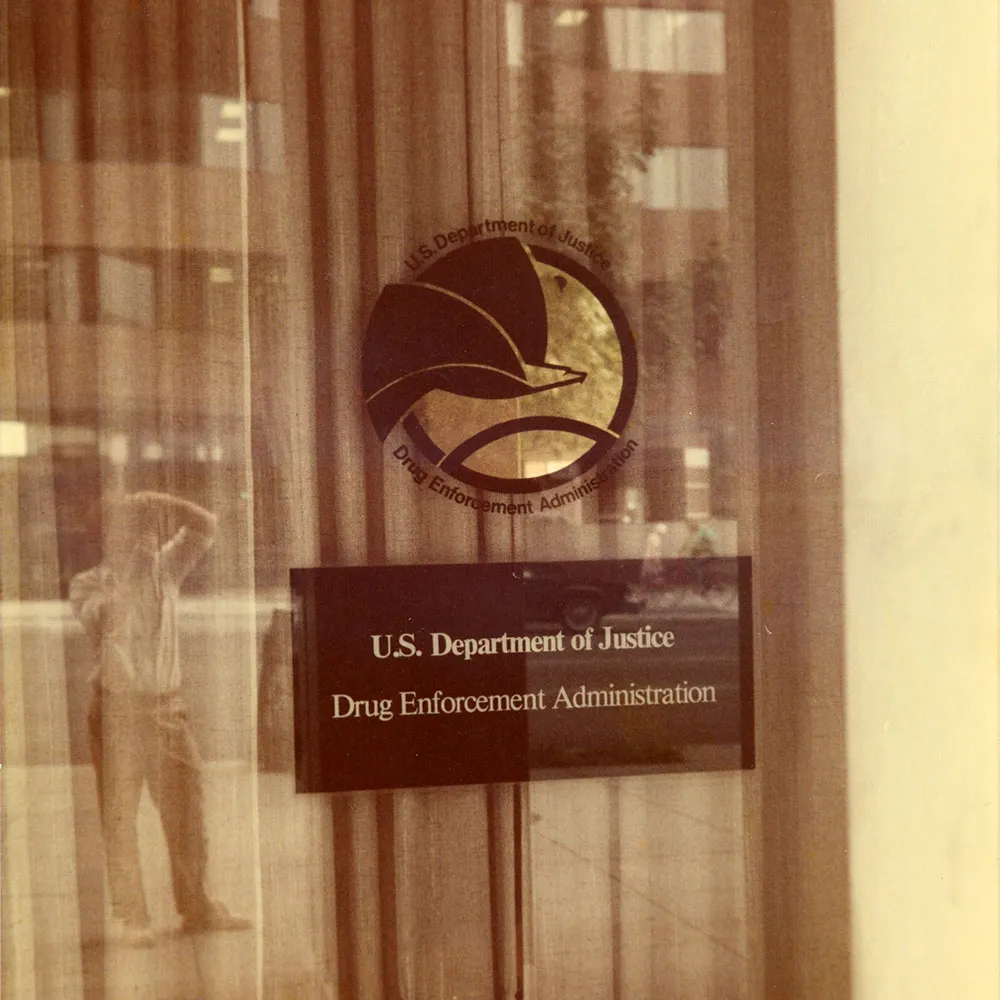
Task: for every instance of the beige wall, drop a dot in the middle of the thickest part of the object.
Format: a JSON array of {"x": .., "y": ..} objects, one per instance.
[{"x": 917, "y": 103}]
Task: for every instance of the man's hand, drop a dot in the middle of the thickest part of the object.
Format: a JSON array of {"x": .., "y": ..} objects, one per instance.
[{"x": 152, "y": 505}]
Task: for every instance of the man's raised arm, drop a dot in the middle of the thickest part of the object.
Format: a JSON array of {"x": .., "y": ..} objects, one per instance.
[
  {"x": 186, "y": 513},
  {"x": 193, "y": 539}
]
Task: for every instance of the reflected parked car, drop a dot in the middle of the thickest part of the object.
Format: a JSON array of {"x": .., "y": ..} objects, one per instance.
[{"x": 577, "y": 595}]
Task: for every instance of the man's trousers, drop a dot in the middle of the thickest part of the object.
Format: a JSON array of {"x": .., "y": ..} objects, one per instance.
[{"x": 145, "y": 740}]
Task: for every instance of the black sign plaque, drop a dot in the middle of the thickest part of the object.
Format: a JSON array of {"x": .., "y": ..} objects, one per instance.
[{"x": 411, "y": 676}]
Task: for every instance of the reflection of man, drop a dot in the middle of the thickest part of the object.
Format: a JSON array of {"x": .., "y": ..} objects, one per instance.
[
  {"x": 699, "y": 542},
  {"x": 139, "y": 728}
]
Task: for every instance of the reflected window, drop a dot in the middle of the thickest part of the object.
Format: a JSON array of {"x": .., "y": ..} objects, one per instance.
[
  {"x": 634, "y": 39},
  {"x": 126, "y": 291},
  {"x": 28, "y": 270},
  {"x": 515, "y": 34},
  {"x": 665, "y": 41},
  {"x": 226, "y": 124},
  {"x": 58, "y": 127},
  {"x": 683, "y": 178},
  {"x": 657, "y": 186},
  {"x": 702, "y": 178},
  {"x": 700, "y": 40},
  {"x": 640, "y": 40},
  {"x": 571, "y": 17},
  {"x": 696, "y": 483},
  {"x": 270, "y": 9},
  {"x": 13, "y": 439},
  {"x": 63, "y": 276},
  {"x": 267, "y": 137}
]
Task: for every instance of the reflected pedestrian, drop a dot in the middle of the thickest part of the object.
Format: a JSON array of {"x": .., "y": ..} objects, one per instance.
[
  {"x": 652, "y": 563},
  {"x": 700, "y": 544},
  {"x": 139, "y": 730}
]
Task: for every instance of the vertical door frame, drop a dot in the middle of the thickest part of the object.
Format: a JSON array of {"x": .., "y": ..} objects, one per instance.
[{"x": 803, "y": 881}]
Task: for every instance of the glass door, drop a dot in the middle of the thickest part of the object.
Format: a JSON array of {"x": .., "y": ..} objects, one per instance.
[{"x": 202, "y": 205}]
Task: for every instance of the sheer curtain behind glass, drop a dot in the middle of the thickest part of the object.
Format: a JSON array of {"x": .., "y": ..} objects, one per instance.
[
  {"x": 621, "y": 132},
  {"x": 201, "y": 203},
  {"x": 144, "y": 292}
]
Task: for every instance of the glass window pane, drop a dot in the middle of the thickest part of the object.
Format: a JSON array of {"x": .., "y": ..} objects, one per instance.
[
  {"x": 701, "y": 42},
  {"x": 703, "y": 178}
]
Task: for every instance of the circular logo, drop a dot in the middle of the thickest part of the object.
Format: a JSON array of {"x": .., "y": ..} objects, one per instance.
[{"x": 511, "y": 367}]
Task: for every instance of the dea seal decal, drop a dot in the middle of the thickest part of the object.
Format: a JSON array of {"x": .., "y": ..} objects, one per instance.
[{"x": 510, "y": 367}]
